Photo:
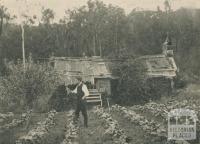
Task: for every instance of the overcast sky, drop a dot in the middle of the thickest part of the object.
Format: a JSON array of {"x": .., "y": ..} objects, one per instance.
[{"x": 59, "y": 6}]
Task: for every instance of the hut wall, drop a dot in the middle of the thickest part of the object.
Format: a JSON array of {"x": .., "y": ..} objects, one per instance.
[{"x": 103, "y": 85}]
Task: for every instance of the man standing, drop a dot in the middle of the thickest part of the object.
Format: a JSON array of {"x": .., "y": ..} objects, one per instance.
[{"x": 82, "y": 92}]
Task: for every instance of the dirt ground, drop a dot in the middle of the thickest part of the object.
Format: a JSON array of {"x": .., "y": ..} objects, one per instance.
[{"x": 95, "y": 133}]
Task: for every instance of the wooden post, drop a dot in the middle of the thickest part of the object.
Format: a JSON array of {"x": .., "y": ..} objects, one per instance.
[
  {"x": 108, "y": 104},
  {"x": 100, "y": 48},
  {"x": 172, "y": 85},
  {"x": 94, "y": 45}
]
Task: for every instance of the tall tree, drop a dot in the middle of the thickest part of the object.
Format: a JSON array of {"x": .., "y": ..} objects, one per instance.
[
  {"x": 47, "y": 15},
  {"x": 95, "y": 27},
  {"x": 3, "y": 15}
]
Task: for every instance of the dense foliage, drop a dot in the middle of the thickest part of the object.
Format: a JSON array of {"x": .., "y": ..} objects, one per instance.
[
  {"x": 132, "y": 86},
  {"x": 30, "y": 88},
  {"x": 106, "y": 30}
]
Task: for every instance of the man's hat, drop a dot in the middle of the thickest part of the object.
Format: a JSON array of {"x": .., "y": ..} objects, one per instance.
[{"x": 79, "y": 78}]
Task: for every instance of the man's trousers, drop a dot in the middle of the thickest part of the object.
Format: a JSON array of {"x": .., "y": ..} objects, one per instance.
[{"x": 82, "y": 106}]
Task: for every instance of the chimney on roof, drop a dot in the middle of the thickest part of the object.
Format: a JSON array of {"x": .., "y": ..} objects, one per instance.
[
  {"x": 84, "y": 55},
  {"x": 167, "y": 46},
  {"x": 52, "y": 55}
]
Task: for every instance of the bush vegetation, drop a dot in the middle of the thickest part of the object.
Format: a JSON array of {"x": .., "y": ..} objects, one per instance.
[
  {"x": 27, "y": 89},
  {"x": 106, "y": 30},
  {"x": 131, "y": 85},
  {"x": 135, "y": 87}
]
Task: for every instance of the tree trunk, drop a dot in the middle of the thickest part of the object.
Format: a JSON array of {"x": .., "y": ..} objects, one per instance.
[
  {"x": 1, "y": 25},
  {"x": 116, "y": 35},
  {"x": 23, "y": 50}
]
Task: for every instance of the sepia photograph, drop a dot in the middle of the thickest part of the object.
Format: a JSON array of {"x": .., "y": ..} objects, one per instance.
[{"x": 99, "y": 71}]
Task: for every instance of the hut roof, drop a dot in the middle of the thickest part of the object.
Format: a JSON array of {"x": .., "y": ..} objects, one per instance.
[
  {"x": 83, "y": 66},
  {"x": 157, "y": 66},
  {"x": 160, "y": 66}
]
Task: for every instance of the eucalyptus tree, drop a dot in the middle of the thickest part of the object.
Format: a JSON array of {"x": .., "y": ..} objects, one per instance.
[
  {"x": 95, "y": 29},
  {"x": 3, "y": 15},
  {"x": 47, "y": 15}
]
